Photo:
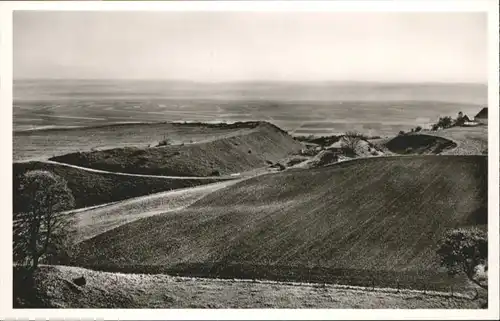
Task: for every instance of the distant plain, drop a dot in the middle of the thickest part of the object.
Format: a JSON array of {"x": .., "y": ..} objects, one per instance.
[{"x": 300, "y": 108}]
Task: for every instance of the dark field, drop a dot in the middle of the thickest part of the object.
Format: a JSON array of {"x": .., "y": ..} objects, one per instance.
[{"x": 383, "y": 215}]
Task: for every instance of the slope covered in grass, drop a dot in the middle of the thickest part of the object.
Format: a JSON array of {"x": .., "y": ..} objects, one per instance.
[
  {"x": 93, "y": 221},
  {"x": 45, "y": 143},
  {"x": 349, "y": 222},
  {"x": 55, "y": 289},
  {"x": 469, "y": 140},
  {"x": 91, "y": 189},
  {"x": 240, "y": 152}
]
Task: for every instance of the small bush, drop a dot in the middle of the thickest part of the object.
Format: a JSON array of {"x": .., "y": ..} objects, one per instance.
[
  {"x": 401, "y": 132},
  {"x": 279, "y": 166},
  {"x": 215, "y": 173},
  {"x": 164, "y": 142},
  {"x": 418, "y": 128},
  {"x": 295, "y": 161}
]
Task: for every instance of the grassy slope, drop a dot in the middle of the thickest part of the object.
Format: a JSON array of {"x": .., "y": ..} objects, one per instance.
[
  {"x": 94, "y": 221},
  {"x": 91, "y": 189},
  {"x": 54, "y": 142},
  {"x": 232, "y": 154},
  {"x": 115, "y": 290},
  {"x": 470, "y": 140},
  {"x": 377, "y": 214}
]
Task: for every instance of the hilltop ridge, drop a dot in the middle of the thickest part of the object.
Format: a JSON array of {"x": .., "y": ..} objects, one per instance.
[{"x": 258, "y": 145}]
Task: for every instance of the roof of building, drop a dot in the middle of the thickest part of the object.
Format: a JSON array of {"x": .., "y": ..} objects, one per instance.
[{"x": 483, "y": 113}]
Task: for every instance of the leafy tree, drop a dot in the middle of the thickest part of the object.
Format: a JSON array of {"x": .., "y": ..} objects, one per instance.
[
  {"x": 41, "y": 231},
  {"x": 460, "y": 119},
  {"x": 445, "y": 122},
  {"x": 418, "y": 128},
  {"x": 463, "y": 250}
]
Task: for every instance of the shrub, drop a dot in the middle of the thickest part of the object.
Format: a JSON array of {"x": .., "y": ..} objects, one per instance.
[
  {"x": 215, "y": 173},
  {"x": 418, "y": 128},
  {"x": 164, "y": 142},
  {"x": 463, "y": 250},
  {"x": 295, "y": 161},
  {"x": 401, "y": 132}
]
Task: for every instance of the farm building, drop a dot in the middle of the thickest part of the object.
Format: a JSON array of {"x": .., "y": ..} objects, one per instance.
[
  {"x": 462, "y": 120},
  {"x": 482, "y": 116}
]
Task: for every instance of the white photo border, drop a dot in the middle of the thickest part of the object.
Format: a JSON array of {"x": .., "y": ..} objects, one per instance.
[{"x": 489, "y": 6}]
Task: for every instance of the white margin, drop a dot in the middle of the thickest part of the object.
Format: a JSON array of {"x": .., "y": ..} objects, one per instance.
[{"x": 6, "y": 8}]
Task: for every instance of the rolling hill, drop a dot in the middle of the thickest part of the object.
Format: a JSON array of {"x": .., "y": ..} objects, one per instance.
[
  {"x": 50, "y": 142},
  {"x": 242, "y": 151},
  {"x": 352, "y": 222},
  {"x": 90, "y": 188},
  {"x": 96, "y": 220}
]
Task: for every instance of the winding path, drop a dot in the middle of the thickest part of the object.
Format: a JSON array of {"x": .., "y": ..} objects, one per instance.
[{"x": 139, "y": 175}]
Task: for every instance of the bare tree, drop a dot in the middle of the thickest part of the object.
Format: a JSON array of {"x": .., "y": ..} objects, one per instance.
[
  {"x": 351, "y": 140},
  {"x": 41, "y": 229}
]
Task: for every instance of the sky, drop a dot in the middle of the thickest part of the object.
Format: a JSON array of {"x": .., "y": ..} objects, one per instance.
[{"x": 250, "y": 46}]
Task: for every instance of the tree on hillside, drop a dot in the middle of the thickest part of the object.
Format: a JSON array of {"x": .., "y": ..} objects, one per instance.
[
  {"x": 464, "y": 250},
  {"x": 443, "y": 122},
  {"x": 351, "y": 140},
  {"x": 41, "y": 231},
  {"x": 460, "y": 119}
]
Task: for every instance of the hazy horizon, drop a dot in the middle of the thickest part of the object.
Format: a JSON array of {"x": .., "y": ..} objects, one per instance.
[
  {"x": 472, "y": 83},
  {"x": 231, "y": 47}
]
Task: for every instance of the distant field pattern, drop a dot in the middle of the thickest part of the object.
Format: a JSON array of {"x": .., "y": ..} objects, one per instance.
[{"x": 300, "y": 108}]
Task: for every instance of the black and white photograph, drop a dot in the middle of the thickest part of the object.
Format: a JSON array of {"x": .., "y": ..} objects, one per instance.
[{"x": 252, "y": 159}]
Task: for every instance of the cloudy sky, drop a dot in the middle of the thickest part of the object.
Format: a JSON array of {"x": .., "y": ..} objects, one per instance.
[{"x": 228, "y": 46}]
